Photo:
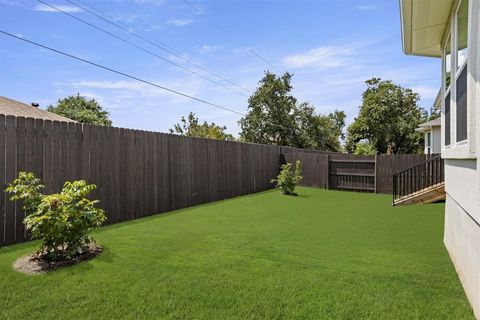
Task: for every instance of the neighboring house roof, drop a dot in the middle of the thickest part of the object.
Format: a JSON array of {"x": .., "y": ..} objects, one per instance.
[
  {"x": 427, "y": 126},
  {"x": 423, "y": 25},
  {"x": 437, "y": 104},
  {"x": 19, "y": 109}
]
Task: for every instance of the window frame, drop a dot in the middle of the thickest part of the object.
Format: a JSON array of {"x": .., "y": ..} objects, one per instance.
[
  {"x": 460, "y": 69},
  {"x": 464, "y": 149},
  {"x": 447, "y": 90}
]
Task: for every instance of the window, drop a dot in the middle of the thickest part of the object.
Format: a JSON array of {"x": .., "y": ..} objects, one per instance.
[
  {"x": 447, "y": 62},
  {"x": 429, "y": 142},
  {"x": 462, "y": 34},
  {"x": 447, "y": 119},
  {"x": 461, "y": 69}
]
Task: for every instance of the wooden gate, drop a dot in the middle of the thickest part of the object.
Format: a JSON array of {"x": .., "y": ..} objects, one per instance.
[{"x": 352, "y": 174}]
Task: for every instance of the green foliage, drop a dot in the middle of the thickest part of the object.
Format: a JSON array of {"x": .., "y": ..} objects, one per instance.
[
  {"x": 365, "y": 148},
  {"x": 270, "y": 118},
  {"x": 81, "y": 109},
  {"x": 387, "y": 119},
  {"x": 61, "y": 221},
  {"x": 275, "y": 117},
  {"x": 288, "y": 178},
  {"x": 316, "y": 131},
  {"x": 27, "y": 189},
  {"x": 191, "y": 127}
]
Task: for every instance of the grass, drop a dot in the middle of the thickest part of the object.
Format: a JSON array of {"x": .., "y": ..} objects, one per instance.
[{"x": 322, "y": 255}]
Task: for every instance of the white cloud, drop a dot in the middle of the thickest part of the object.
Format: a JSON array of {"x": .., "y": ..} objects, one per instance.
[
  {"x": 324, "y": 57},
  {"x": 44, "y": 8},
  {"x": 207, "y": 49},
  {"x": 122, "y": 90},
  {"x": 425, "y": 92},
  {"x": 152, "y": 2},
  {"x": 351, "y": 55},
  {"x": 10, "y": 2},
  {"x": 180, "y": 22},
  {"x": 365, "y": 7},
  {"x": 126, "y": 18}
]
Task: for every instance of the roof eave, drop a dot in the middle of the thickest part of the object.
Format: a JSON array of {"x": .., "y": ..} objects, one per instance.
[{"x": 406, "y": 23}]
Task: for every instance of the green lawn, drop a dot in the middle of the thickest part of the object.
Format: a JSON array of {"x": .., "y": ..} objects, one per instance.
[{"x": 322, "y": 255}]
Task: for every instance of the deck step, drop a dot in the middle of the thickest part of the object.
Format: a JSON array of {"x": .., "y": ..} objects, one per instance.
[{"x": 428, "y": 195}]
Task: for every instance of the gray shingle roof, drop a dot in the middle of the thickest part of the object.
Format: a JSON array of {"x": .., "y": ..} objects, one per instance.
[
  {"x": 432, "y": 123},
  {"x": 20, "y": 109}
]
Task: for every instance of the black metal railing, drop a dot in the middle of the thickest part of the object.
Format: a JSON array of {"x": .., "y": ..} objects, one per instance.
[{"x": 423, "y": 175}]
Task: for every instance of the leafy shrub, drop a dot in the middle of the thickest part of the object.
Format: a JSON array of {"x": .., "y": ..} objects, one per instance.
[
  {"x": 61, "y": 221},
  {"x": 288, "y": 178},
  {"x": 28, "y": 189}
]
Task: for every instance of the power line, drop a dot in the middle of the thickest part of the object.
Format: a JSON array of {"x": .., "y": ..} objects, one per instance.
[
  {"x": 158, "y": 44},
  {"x": 197, "y": 10},
  {"x": 121, "y": 73},
  {"x": 264, "y": 60},
  {"x": 223, "y": 29},
  {"x": 141, "y": 48}
]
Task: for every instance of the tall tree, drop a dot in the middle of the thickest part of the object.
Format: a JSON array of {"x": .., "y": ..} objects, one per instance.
[
  {"x": 81, "y": 109},
  {"x": 275, "y": 117},
  {"x": 270, "y": 117},
  {"x": 387, "y": 119},
  {"x": 316, "y": 131},
  {"x": 191, "y": 127}
]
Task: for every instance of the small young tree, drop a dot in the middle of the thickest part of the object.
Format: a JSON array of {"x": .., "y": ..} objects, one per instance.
[
  {"x": 61, "y": 221},
  {"x": 288, "y": 178}
]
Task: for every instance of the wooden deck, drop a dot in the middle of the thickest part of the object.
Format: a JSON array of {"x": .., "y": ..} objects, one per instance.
[{"x": 431, "y": 194}]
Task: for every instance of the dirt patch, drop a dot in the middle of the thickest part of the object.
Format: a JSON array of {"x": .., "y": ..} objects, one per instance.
[{"x": 34, "y": 264}]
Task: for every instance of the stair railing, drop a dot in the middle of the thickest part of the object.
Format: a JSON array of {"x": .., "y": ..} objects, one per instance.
[{"x": 421, "y": 176}]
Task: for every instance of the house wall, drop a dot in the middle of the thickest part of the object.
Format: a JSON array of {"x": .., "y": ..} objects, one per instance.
[
  {"x": 436, "y": 140},
  {"x": 462, "y": 181},
  {"x": 425, "y": 138},
  {"x": 436, "y": 143}
]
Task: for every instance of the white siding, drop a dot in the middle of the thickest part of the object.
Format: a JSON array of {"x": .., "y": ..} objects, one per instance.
[{"x": 462, "y": 180}]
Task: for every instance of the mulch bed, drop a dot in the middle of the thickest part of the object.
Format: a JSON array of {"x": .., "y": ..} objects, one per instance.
[{"x": 34, "y": 264}]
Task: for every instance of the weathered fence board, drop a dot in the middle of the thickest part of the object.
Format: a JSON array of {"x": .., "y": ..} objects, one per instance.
[
  {"x": 10, "y": 173},
  {"x": 3, "y": 196}
]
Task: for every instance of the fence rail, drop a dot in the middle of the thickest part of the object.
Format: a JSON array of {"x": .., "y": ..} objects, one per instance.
[{"x": 425, "y": 174}]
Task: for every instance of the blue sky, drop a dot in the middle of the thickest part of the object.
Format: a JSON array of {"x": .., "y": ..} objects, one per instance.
[{"x": 331, "y": 47}]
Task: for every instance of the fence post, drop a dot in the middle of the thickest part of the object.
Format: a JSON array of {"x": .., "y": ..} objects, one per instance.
[
  {"x": 327, "y": 178},
  {"x": 376, "y": 174}
]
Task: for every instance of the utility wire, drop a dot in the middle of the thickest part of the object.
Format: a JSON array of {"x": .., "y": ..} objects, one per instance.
[
  {"x": 223, "y": 29},
  {"x": 264, "y": 60},
  {"x": 158, "y": 44},
  {"x": 141, "y": 48},
  {"x": 121, "y": 73},
  {"x": 197, "y": 10}
]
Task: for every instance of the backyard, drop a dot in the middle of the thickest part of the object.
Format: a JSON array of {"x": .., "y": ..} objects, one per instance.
[{"x": 321, "y": 255}]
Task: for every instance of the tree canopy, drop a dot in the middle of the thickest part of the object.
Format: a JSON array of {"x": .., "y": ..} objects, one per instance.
[
  {"x": 81, "y": 109},
  {"x": 191, "y": 127},
  {"x": 275, "y": 117},
  {"x": 387, "y": 120}
]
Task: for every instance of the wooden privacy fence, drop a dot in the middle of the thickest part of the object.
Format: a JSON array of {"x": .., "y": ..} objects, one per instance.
[
  {"x": 352, "y": 172},
  {"x": 137, "y": 173},
  {"x": 140, "y": 173}
]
